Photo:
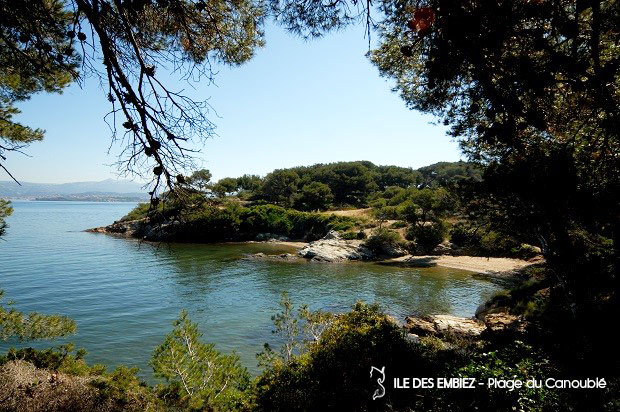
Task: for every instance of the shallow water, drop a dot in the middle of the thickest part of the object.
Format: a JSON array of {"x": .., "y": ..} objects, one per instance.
[{"x": 124, "y": 294}]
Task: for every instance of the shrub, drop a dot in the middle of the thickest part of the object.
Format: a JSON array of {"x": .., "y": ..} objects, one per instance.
[
  {"x": 382, "y": 241},
  {"x": 138, "y": 212},
  {"x": 462, "y": 235},
  {"x": 266, "y": 219},
  {"x": 427, "y": 236},
  {"x": 332, "y": 373},
  {"x": 524, "y": 251},
  {"x": 197, "y": 375},
  {"x": 496, "y": 244},
  {"x": 349, "y": 235},
  {"x": 398, "y": 224},
  {"x": 57, "y": 379}
]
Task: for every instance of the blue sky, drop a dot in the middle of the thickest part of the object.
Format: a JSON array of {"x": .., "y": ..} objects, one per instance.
[{"x": 296, "y": 103}]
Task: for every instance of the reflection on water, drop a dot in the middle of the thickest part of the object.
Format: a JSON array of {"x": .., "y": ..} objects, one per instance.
[{"x": 124, "y": 294}]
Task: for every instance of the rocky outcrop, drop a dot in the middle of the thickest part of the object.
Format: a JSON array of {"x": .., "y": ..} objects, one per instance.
[
  {"x": 271, "y": 237},
  {"x": 123, "y": 228},
  {"x": 332, "y": 248},
  {"x": 444, "y": 325},
  {"x": 141, "y": 229},
  {"x": 448, "y": 325},
  {"x": 502, "y": 322},
  {"x": 282, "y": 256},
  {"x": 444, "y": 248}
]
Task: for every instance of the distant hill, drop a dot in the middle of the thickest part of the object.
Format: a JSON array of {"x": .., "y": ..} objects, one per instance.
[{"x": 108, "y": 188}]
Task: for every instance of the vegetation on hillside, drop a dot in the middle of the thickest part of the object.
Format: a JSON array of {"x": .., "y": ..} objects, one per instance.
[
  {"x": 333, "y": 185},
  {"x": 286, "y": 201}
]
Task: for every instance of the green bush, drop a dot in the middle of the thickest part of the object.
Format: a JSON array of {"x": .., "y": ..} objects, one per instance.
[
  {"x": 332, "y": 373},
  {"x": 497, "y": 244},
  {"x": 229, "y": 221},
  {"x": 349, "y": 235},
  {"x": 137, "y": 212},
  {"x": 462, "y": 235},
  {"x": 383, "y": 240},
  {"x": 266, "y": 219},
  {"x": 398, "y": 224},
  {"x": 119, "y": 390},
  {"x": 524, "y": 251},
  {"x": 199, "y": 377},
  {"x": 427, "y": 236}
]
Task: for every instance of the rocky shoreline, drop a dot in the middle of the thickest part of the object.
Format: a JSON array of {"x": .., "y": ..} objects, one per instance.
[{"x": 333, "y": 249}]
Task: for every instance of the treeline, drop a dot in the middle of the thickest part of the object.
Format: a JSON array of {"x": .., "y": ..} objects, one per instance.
[
  {"x": 430, "y": 205},
  {"x": 341, "y": 184}
]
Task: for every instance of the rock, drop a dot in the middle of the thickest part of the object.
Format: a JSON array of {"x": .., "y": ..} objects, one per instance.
[
  {"x": 504, "y": 322},
  {"x": 442, "y": 325},
  {"x": 332, "y": 248},
  {"x": 283, "y": 256},
  {"x": 459, "y": 326},
  {"x": 271, "y": 237},
  {"x": 332, "y": 234},
  {"x": 412, "y": 337},
  {"x": 394, "y": 251},
  {"x": 420, "y": 325},
  {"x": 444, "y": 248},
  {"x": 124, "y": 228}
]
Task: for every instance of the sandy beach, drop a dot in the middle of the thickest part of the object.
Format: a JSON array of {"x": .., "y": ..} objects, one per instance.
[{"x": 484, "y": 265}]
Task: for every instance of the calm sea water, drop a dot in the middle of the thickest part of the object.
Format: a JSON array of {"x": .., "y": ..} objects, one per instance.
[{"x": 124, "y": 294}]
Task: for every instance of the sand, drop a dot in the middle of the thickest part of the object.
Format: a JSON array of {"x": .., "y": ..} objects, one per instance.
[{"x": 472, "y": 263}]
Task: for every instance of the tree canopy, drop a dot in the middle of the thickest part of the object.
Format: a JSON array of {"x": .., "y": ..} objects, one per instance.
[
  {"x": 532, "y": 91},
  {"x": 45, "y": 42}
]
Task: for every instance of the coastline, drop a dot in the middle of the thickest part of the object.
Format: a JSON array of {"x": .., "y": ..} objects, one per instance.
[{"x": 496, "y": 267}]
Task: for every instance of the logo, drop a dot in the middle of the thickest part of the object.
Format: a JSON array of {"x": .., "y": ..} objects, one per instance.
[{"x": 380, "y": 392}]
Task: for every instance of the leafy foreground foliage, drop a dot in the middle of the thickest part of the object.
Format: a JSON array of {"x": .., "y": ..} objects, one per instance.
[
  {"x": 5, "y": 211},
  {"x": 198, "y": 377},
  {"x": 331, "y": 370},
  {"x": 323, "y": 363},
  {"x": 33, "y": 326}
]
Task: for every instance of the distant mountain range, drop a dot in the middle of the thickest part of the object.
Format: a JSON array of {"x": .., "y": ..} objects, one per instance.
[{"x": 105, "y": 190}]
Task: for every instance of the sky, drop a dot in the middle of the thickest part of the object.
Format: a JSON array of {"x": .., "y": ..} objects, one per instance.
[{"x": 295, "y": 103}]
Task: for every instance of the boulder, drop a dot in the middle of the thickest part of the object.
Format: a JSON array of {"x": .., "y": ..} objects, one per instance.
[
  {"x": 332, "y": 248},
  {"x": 503, "y": 322},
  {"x": 271, "y": 237},
  {"x": 394, "y": 251},
  {"x": 441, "y": 325},
  {"x": 444, "y": 248},
  {"x": 122, "y": 228},
  {"x": 332, "y": 234},
  {"x": 420, "y": 326}
]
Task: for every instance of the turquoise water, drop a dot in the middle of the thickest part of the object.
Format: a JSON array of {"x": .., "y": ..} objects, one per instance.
[{"x": 124, "y": 294}]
